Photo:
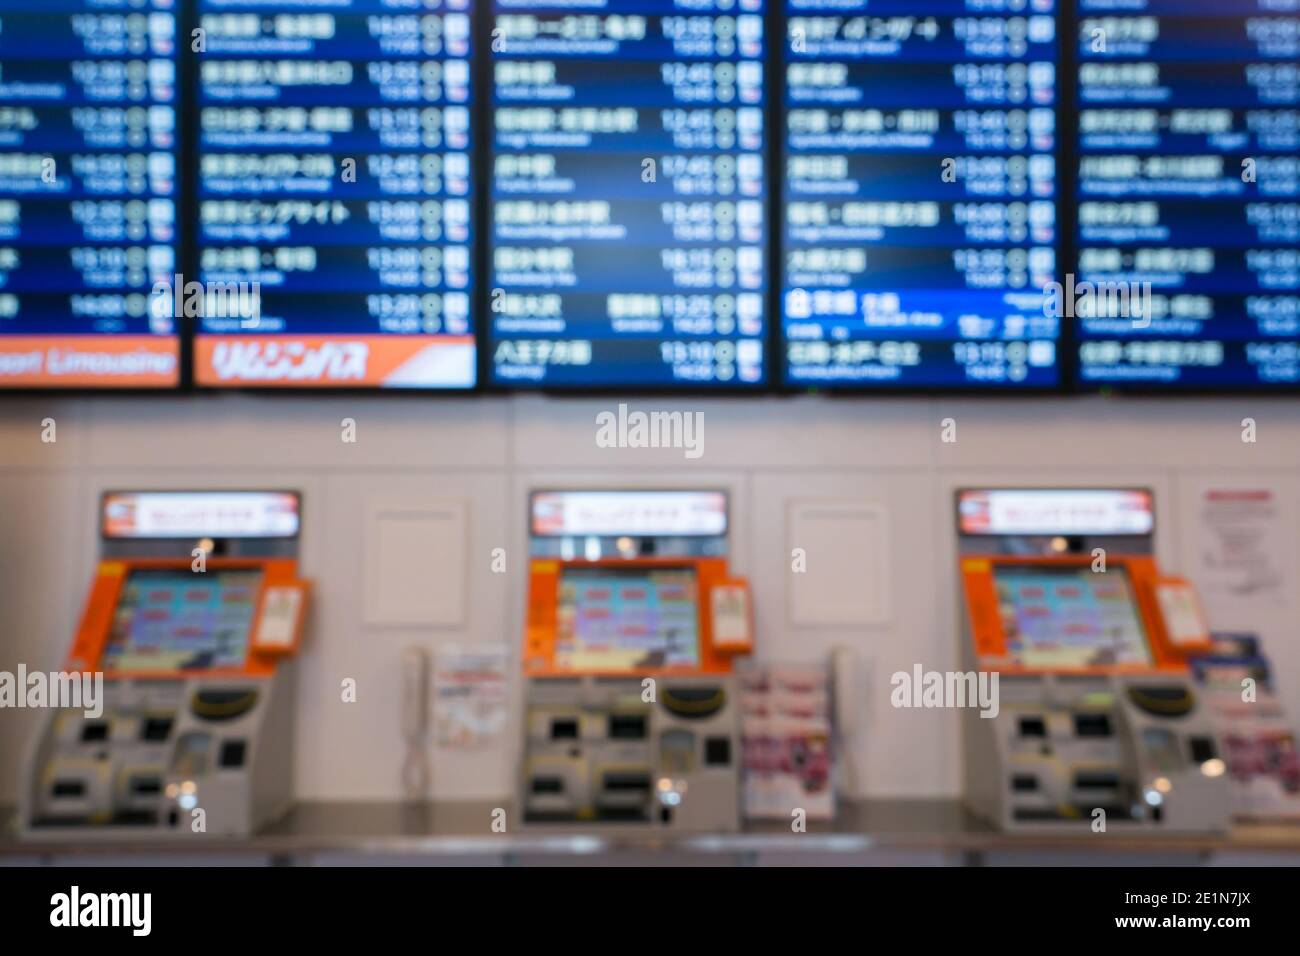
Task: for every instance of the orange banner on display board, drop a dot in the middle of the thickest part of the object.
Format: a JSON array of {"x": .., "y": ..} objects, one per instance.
[
  {"x": 80, "y": 361},
  {"x": 340, "y": 361}
]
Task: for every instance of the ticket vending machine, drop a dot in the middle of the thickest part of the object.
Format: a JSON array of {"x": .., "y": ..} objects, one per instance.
[
  {"x": 631, "y": 711},
  {"x": 1098, "y": 717},
  {"x": 194, "y": 614}
]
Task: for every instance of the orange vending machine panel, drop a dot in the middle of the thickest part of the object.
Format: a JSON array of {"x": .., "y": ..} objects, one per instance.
[
  {"x": 1093, "y": 721},
  {"x": 631, "y": 714},
  {"x": 1062, "y": 614},
  {"x": 156, "y": 618},
  {"x": 190, "y": 626}
]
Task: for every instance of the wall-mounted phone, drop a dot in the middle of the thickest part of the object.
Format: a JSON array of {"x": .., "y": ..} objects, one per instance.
[{"x": 415, "y": 723}]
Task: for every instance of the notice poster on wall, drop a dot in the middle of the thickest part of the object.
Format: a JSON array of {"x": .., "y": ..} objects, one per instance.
[
  {"x": 1240, "y": 550},
  {"x": 470, "y": 696}
]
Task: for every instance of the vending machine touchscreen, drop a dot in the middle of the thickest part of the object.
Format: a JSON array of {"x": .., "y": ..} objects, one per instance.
[
  {"x": 170, "y": 621},
  {"x": 627, "y": 619}
]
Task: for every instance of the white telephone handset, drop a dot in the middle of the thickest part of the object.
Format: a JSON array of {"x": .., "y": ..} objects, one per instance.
[
  {"x": 415, "y": 722},
  {"x": 846, "y": 692}
]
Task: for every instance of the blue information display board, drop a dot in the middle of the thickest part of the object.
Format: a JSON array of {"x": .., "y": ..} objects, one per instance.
[
  {"x": 628, "y": 221},
  {"x": 88, "y": 193},
  {"x": 919, "y": 237},
  {"x": 910, "y": 195},
  {"x": 336, "y": 174},
  {"x": 1189, "y": 194}
]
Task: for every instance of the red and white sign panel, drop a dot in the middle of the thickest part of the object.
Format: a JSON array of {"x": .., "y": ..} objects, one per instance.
[
  {"x": 636, "y": 513},
  {"x": 338, "y": 361},
  {"x": 200, "y": 514},
  {"x": 89, "y": 361},
  {"x": 1002, "y": 511}
]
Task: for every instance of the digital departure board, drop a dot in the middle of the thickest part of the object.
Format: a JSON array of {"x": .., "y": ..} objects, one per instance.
[
  {"x": 919, "y": 238},
  {"x": 356, "y": 193},
  {"x": 628, "y": 221},
  {"x": 1189, "y": 194},
  {"x": 336, "y": 192},
  {"x": 88, "y": 193}
]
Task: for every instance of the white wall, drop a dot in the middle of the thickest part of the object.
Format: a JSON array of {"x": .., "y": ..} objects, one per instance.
[{"x": 488, "y": 452}]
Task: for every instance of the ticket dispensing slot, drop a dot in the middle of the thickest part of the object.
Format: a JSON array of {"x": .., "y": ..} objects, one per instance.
[{"x": 1097, "y": 712}]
